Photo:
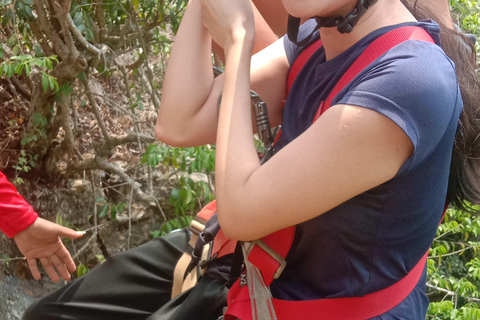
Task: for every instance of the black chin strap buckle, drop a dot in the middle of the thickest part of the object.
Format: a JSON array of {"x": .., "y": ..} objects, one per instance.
[{"x": 345, "y": 24}]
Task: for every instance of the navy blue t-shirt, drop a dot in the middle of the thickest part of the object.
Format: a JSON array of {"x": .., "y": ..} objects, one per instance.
[{"x": 374, "y": 239}]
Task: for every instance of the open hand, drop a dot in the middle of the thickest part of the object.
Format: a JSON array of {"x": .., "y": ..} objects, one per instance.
[
  {"x": 227, "y": 20},
  {"x": 42, "y": 241}
]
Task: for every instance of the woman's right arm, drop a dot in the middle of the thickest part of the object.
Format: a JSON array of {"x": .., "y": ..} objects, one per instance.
[
  {"x": 188, "y": 80},
  {"x": 188, "y": 112}
]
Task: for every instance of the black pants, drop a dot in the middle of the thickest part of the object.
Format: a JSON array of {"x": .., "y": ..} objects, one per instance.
[{"x": 136, "y": 285}]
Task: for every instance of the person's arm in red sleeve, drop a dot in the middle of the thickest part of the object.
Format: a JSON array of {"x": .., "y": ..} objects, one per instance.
[
  {"x": 36, "y": 238},
  {"x": 15, "y": 213}
]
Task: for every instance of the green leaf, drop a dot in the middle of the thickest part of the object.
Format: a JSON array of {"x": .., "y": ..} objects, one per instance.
[
  {"x": 104, "y": 210},
  {"x": 78, "y": 18},
  {"x": 5, "y": 257},
  {"x": 28, "y": 70},
  {"x": 81, "y": 76},
  {"x": 51, "y": 84},
  {"x": 45, "y": 82},
  {"x": 4, "y": 3},
  {"x": 175, "y": 194},
  {"x": 136, "y": 4},
  {"x": 189, "y": 197},
  {"x": 81, "y": 270}
]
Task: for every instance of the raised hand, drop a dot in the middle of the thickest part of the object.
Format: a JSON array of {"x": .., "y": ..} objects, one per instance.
[
  {"x": 227, "y": 20},
  {"x": 42, "y": 241}
]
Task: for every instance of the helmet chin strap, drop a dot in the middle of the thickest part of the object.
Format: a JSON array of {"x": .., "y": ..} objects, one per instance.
[{"x": 344, "y": 24}]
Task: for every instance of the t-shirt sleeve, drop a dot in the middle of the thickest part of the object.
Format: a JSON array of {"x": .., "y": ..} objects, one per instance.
[
  {"x": 15, "y": 213},
  {"x": 414, "y": 85}
]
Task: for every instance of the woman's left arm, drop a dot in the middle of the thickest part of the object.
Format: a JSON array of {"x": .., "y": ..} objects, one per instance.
[{"x": 349, "y": 150}]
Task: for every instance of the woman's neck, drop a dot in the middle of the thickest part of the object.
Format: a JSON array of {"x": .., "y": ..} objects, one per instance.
[{"x": 382, "y": 14}]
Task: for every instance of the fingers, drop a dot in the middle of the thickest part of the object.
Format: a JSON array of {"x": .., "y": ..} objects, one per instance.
[
  {"x": 47, "y": 264},
  {"x": 65, "y": 257},
  {"x": 60, "y": 266},
  {"x": 69, "y": 233},
  {"x": 32, "y": 264}
]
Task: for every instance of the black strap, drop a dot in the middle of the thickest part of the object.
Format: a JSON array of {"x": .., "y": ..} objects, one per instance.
[
  {"x": 211, "y": 229},
  {"x": 237, "y": 265},
  {"x": 344, "y": 24},
  {"x": 292, "y": 31}
]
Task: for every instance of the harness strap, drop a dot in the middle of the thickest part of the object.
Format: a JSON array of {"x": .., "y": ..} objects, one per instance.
[
  {"x": 183, "y": 280},
  {"x": 240, "y": 304},
  {"x": 300, "y": 62},
  {"x": 376, "y": 49}
]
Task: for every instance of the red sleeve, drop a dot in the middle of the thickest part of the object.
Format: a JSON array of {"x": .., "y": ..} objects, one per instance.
[{"x": 15, "y": 213}]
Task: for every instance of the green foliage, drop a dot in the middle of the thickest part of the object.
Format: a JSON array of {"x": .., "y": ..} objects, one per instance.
[
  {"x": 197, "y": 159},
  {"x": 468, "y": 15},
  {"x": 5, "y": 258},
  {"x": 445, "y": 310},
  {"x": 17, "y": 65},
  {"x": 28, "y": 160},
  {"x": 110, "y": 209},
  {"x": 173, "y": 224},
  {"x": 189, "y": 194},
  {"x": 454, "y": 268}
]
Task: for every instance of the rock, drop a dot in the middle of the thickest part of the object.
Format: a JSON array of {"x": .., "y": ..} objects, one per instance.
[
  {"x": 80, "y": 186},
  {"x": 16, "y": 295},
  {"x": 121, "y": 164},
  {"x": 197, "y": 177},
  {"x": 157, "y": 175}
]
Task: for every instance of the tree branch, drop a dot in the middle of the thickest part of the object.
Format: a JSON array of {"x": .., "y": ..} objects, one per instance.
[
  {"x": 47, "y": 28},
  {"x": 451, "y": 293},
  {"x": 129, "y": 138},
  {"x": 83, "y": 42},
  {"x": 96, "y": 112}
]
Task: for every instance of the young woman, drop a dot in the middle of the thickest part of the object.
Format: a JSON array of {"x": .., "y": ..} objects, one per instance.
[{"x": 365, "y": 184}]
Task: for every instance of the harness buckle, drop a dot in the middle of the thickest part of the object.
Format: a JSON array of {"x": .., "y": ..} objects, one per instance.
[
  {"x": 196, "y": 227},
  {"x": 271, "y": 253},
  {"x": 206, "y": 255}
]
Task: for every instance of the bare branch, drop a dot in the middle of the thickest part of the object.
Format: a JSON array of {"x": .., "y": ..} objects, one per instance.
[
  {"x": 129, "y": 138},
  {"x": 451, "y": 293},
  {"x": 47, "y": 28},
  {"x": 21, "y": 89},
  {"x": 62, "y": 13},
  {"x": 104, "y": 164},
  {"x": 41, "y": 38},
  {"x": 83, "y": 42},
  {"x": 100, "y": 15},
  {"x": 96, "y": 112}
]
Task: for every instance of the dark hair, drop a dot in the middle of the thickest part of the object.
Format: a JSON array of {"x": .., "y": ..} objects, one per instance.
[{"x": 464, "y": 182}]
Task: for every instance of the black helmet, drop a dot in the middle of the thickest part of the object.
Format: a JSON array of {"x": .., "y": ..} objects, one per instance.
[{"x": 344, "y": 24}]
